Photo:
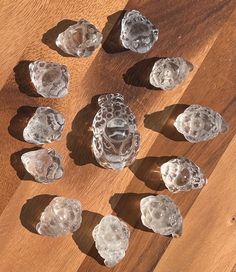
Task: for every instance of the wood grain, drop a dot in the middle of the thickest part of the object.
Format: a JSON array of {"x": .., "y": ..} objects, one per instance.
[{"x": 201, "y": 31}]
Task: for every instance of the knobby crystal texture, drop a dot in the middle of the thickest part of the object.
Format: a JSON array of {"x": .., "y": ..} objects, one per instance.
[
  {"x": 115, "y": 138},
  {"x": 181, "y": 174},
  {"x": 44, "y": 164},
  {"x": 80, "y": 39},
  {"x": 50, "y": 79},
  {"x": 111, "y": 238},
  {"x": 45, "y": 126},
  {"x": 137, "y": 33},
  {"x": 167, "y": 73},
  {"x": 60, "y": 217},
  {"x": 160, "y": 214},
  {"x": 198, "y": 123}
]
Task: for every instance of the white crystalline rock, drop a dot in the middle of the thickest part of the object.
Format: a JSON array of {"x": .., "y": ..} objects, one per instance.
[
  {"x": 62, "y": 216},
  {"x": 80, "y": 39},
  {"x": 137, "y": 33},
  {"x": 167, "y": 73},
  {"x": 160, "y": 214},
  {"x": 111, "y": 238},
  {"x": 44, "y": 165},
  {"x": 49, "y": 78},
  {"x": 181, "y": 174},
  {"x": 198, "y": 123},
  {"x": 45, "y": 126}
]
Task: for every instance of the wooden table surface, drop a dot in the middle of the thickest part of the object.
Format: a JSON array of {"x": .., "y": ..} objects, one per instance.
[{"x": 202, "y": 31}]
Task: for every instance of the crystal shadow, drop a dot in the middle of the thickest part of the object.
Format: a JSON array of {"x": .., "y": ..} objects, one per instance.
[{"x": 163, "y": 121}]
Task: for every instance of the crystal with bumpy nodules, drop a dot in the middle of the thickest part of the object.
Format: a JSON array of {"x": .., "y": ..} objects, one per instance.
[
  {"x": 45, "y": 126},
  {"x": 111, "y": 238},
  {"x": 62, "y": 216},
  {"x": 80, "y": 39},
  {"x": 115, "y": 138},
  {"x": 44, "y": 165},
  {"x": 160, "y": 214},
  {"x": 181, "y": 174},
  {"x": 50, "y": 79},
  {"x": 169, "y": 72},
  {"x": 198, "y": 123},
  {"x": 137, "y": 33}
]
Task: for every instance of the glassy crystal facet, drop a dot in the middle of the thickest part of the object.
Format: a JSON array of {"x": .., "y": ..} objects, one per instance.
[
  {"x": 44, "y": 164},
  {"x": 169, "y": 72},
  {"x": 111, "y": 238},
  {"x": 49, "y": 78},
  {"x": 137, "y": 33},
  {"x": 60, "y": 217},
  {"x": 181, "y": 174},
  {"x": 115, "y": 138},
  {"x": 45, "y": 126},
  {"x": 198, "y": 123},
  {"x": 160, "y": 214},
  {"x": 80, "y": 39}
]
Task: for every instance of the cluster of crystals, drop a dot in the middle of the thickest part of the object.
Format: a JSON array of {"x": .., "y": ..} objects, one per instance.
[
  {"x": 115, "y": 138},
  {"x": 45, "y": 126},
  {"x": 181, "y": 174},
  {"x": 60, "y": 217},
  {"x": 80, "y": 39},
  {"x": 111, "y": 238},
  {"x": 198, "y": 123},
  {"x": 44, "y": 164},
  {"x": 160, "y": 214},
  {"x": 137, "y": 33},
  {"x": 50, "y": 79},
  {"x": 167, "y": 73}
]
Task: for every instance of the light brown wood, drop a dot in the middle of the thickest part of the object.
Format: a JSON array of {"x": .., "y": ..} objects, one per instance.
[{"x": 201, "y": 31}]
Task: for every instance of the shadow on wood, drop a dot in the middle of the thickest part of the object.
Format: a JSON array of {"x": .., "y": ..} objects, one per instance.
[{"x": 163, "y": 121}]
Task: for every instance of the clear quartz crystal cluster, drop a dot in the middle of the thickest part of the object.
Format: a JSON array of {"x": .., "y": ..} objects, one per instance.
[
  {"x": 60, "y": 217},
  {"x": 137, "y": 33},
  {"x": 50, "y": 79},
  {"x": 44, "y": 165},
  {"x": 160, "y": 214},
  {"x": 181, "y": 174},
  {"x": 167, "y": 73},
  {"x": 198, "y": 123},
  {"x": 115, "y": 137},
  {"x": 111, "y": 238},
  {"x": 80, "y": 39},
  {"x": 45, "y": 126}
]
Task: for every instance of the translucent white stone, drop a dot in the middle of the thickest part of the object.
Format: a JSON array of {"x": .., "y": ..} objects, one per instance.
[
  {"x": 49, "y": 78},
  {"x": 115, "y": 137},
  {"x": 160, "y": 214},
  {"x": 169, "y": 72},
  {"x": 111, "y": 238},
  {"x": 198, "y": 123},
  {"x": 80, "y": 39},
  {"x": 137, "y": 33},
  {"x": 45, "y": 126},
  {"x": 181, "y": 174},
  {"x": 44, "y": 164},
  {"x": 62, "y": 216}
]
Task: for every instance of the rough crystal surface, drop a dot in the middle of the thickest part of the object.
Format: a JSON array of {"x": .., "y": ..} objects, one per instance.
[
  {"x": 167, "y": 73},
  {"x": 111, "y": 238},
  {"x": 44, "y": 164},
  {"x": 80, "y": 39},
  {"x": 60, "y": 217},
  {"x": 181, "y": 174},
  {"x": 160, "y": 214},
  {"x": 45, "y": 126},
  {"x": 115, "y": 138},
  {"x": 198, "y": 123},
  {"x": 137, "y": 33},
  {"x": 49, "y": 78}
]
